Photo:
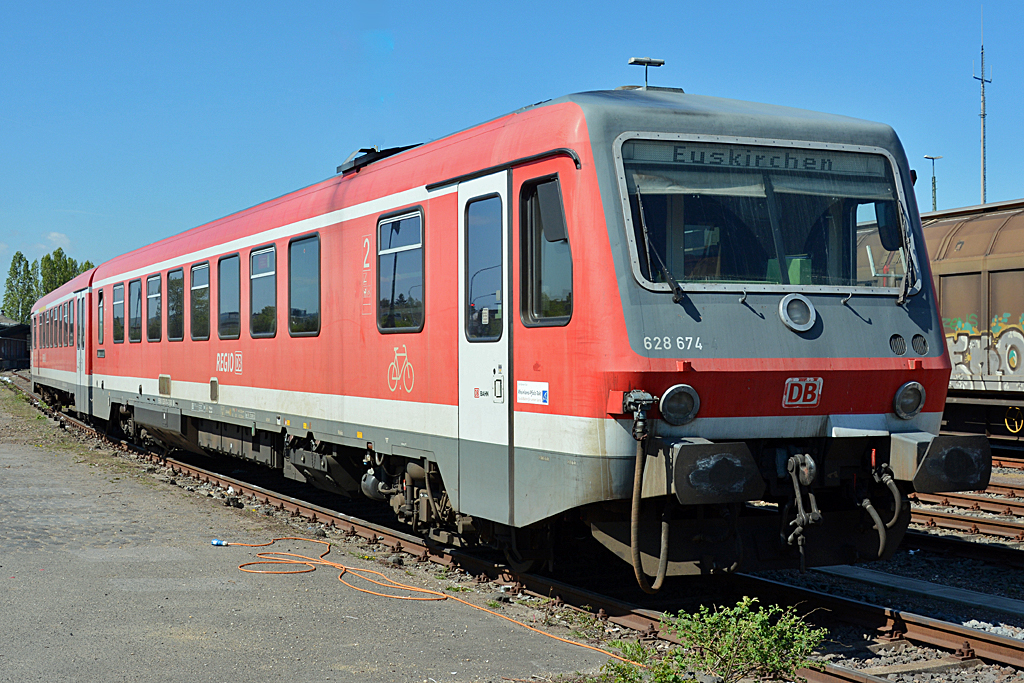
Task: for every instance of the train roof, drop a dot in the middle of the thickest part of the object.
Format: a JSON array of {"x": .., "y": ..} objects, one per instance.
[
  {"x": 975, "y": 238},
  {"x": 75, "y": 284},
  {"x": 658, "y": 109}
]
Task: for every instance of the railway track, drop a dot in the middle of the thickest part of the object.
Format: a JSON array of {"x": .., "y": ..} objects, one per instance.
[
  {"x": 1013, "y": 462},
  {"x": 965, "y": 643},
  {"x": 965, "y": 501}
]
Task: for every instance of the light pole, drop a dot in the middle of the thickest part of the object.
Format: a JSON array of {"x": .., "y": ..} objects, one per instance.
[{"x": 933, "y": 158}]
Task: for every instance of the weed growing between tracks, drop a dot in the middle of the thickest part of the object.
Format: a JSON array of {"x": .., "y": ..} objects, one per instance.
[{"x": 730, "y": 642}]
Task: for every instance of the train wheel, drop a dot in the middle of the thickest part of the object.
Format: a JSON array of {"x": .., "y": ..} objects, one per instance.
[{"x": 519, "y": 565}]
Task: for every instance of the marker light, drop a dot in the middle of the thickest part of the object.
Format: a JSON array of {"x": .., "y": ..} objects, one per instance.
[{"x": 679, "y": 404}]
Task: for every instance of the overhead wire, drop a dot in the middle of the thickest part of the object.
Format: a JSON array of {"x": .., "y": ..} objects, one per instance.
[{"x": 428, "y": 595}]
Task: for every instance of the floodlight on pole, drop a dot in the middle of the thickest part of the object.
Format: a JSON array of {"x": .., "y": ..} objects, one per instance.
[
  {"x": 933, "y": 158},
  {"x": 646, "y": 62}
]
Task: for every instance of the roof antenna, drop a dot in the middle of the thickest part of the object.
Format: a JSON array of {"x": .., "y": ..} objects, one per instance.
[{"x": 646, "y": 62}]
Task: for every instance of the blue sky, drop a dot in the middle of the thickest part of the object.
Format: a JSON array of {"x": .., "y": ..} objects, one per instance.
[{"x": 122, "y": 123}]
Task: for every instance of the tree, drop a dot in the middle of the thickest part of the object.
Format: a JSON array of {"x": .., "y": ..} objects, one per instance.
[
  {"x": 28, "y": 282},
  {"x": 20, "y": 290},
  {"x": 57, "y": 268}
]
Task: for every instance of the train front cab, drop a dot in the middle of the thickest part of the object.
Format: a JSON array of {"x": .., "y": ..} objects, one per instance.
[{"x": 809, "y": 406}]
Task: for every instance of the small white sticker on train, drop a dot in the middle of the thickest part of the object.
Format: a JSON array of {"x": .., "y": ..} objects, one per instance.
[{"x": 532, "y": 392}]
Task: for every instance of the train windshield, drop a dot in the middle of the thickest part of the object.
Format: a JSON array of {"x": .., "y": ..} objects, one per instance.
[{"x": 763, "y": 215}]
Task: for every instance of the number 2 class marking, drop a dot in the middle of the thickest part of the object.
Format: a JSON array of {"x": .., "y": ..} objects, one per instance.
[{"x": 665, "y": 344}]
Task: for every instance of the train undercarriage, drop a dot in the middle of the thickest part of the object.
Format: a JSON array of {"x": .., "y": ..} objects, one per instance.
[{"x": 702, "y": 508}]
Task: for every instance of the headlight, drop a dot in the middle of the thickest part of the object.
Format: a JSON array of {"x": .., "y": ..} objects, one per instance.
[
  {"x": 909, "y": 400},
  {"x": 797, "y": 312},
  {"x": 679, "y": 404}
]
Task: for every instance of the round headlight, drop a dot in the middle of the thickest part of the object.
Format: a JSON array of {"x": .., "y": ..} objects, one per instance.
[
  {"x": 797, "y": 312},
  {"x": 909, "y": 400},
  {"x": 679, "y": 404}
]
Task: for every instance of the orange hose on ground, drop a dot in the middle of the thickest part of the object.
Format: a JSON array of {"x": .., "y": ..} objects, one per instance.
[{"x": 311, "y": 564}]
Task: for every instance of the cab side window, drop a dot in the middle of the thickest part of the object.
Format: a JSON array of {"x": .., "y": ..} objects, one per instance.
[{"x": 546, "y": 258}]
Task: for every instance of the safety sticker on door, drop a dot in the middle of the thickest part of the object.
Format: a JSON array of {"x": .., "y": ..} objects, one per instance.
[{"x": 532, "y": 392}]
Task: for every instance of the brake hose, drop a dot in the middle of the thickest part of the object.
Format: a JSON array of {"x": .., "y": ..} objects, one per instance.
[
  {"x": 866, "y": 504},
  {"x": 634, "y": 529}
]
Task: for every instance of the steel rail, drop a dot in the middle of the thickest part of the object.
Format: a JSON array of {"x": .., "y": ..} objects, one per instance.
[
  {"x": 969, "y": 524},
  {"x": 896, "y": 625},
  {"x": 1007, "y": 488},
  {"x": 995, "y": 553},
  {"x": 1008, "y": 462},
  {"x": 967, "y": 501}
]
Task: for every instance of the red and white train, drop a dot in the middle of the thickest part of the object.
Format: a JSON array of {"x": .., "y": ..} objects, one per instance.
[{"x": 704, "y": 328}]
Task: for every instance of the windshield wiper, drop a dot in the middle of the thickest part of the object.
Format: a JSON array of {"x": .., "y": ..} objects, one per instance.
[
  {"x": 677, "y": 291},
  {"x": 909, "y": 264}
]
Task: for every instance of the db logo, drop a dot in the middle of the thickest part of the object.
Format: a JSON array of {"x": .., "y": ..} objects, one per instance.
[{"x": 802, "y": 392}]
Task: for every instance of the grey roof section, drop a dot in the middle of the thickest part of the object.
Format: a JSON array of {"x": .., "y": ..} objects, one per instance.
[{"x": 686, "y": 113}]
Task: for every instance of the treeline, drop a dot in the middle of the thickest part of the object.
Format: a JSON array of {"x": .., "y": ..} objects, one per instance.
[{"x": 26, "y": 282}]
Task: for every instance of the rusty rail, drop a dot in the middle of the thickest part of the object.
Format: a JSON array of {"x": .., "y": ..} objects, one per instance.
[
  {"x": 967, "y": 501},
  {"x": 892, "y": 624},
  {"x": 968, "y": 524}
]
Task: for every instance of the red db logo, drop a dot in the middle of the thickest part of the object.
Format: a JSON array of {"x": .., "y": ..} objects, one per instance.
[{"x": 802, "y": 392}]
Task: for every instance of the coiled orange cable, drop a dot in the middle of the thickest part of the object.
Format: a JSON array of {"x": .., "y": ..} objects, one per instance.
[{"x": 311, "y": 564}]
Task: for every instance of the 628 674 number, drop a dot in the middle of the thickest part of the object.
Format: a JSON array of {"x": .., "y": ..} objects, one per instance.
[{"x": 665, "y": 343}]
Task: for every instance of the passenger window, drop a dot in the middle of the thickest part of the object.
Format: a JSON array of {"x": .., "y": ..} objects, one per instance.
[
  {"x": 263, "y": 293},
  {"x": 117, "y": 304},
  {"x": 135, "y": 311},
  {"x": 546, "y": 258},
  {"x": 99, "y": 316},
  {"x": 228, "y": 294},
  {"x": 71, "y": 323},
  {"x": 201, "y": 302},
  {"x": 176, "y": 305},
  {"x": 483, "y": 270},
  {"x": 304, "y": 286},
  {"x": 153, "y": 300},
  {"x": 400, "y": 274}
]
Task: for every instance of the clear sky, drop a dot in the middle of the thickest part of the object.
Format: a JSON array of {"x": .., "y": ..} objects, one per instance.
[{"x": 122, "y": 122}]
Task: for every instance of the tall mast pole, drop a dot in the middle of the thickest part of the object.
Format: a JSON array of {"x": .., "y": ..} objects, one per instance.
[{"x": 983, "y": 82}]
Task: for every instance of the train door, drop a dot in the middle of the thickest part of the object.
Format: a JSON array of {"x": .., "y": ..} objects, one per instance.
[
  {"x": 485, "y": 471},
  {"x": 82, "y": 389}
]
